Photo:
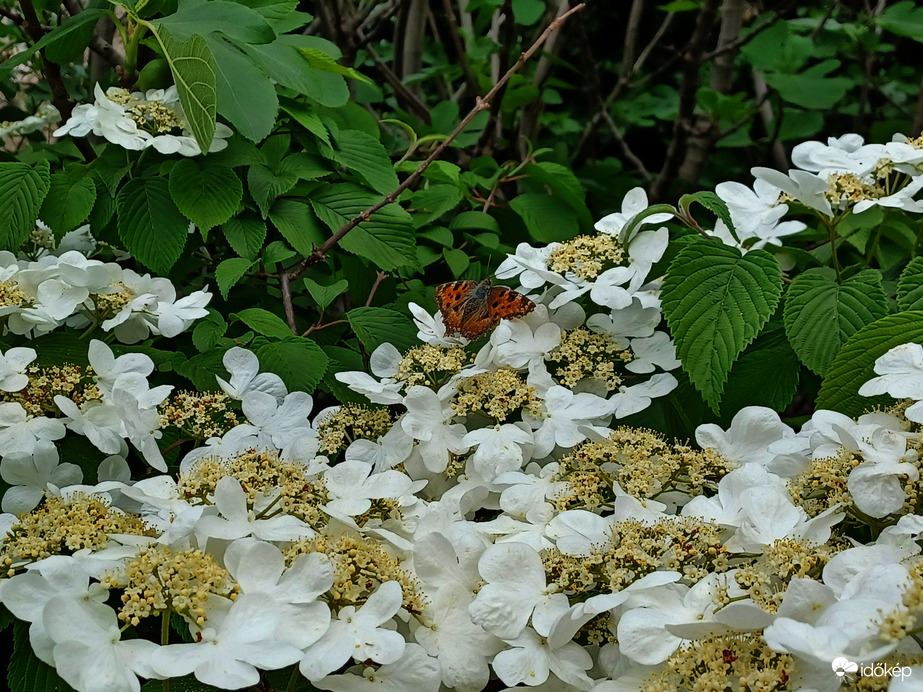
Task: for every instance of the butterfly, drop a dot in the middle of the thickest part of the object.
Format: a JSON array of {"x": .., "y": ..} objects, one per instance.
[{"x": 472, "y": 308}]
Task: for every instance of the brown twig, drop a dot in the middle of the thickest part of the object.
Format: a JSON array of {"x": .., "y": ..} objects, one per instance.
[
  {"x": 98, "y": 45},
  {"x": 318, "y": 327},
  {"x": 287, "y": 302},
  {"x": 626, "y": 150},
  {"x": 379, "y": 277},
  {"x": 472, "y": 82},
  {"x": 481, "y": 104},
  {"x": 494, "y": 124}
]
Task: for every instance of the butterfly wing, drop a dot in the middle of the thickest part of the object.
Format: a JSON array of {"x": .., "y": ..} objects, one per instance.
[
  {"x": 453, "y": 299},
  {"x": 505, "y": 304}
]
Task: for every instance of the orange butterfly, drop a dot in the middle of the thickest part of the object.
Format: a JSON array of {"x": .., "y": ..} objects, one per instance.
[{"x": 472, "y": 309}]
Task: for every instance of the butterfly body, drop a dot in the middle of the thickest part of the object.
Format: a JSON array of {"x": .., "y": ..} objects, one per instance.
[{"x": 473, "y": 308}]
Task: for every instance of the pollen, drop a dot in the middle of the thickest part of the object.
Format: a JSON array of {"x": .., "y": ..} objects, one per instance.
[
  {"x": 430, "y": 365},
  {"x": 587, "y": 256},
  {"x": 198, "y": 415},
  {"x": 497, "y": 395},
  {"x": 352, "y": 422},
  {"x": 583, "y": 354},
  {"x": 45, "y": 383}
]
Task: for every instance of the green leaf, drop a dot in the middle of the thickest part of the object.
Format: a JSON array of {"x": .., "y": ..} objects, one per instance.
[
  {"x": 854, "y": 365},
  {"x": 820, "y": 314},
  {"x": 245, "y": 95},
  {"x": 232, "y": 19},
  {"x": 266, "y": 184},
  {"x": 276, "y": 251},
  {"x": 193, "y": 68},
  {"x": 289, "y": 66},
  {"x": 457, "y": 260},
  {"x": 716, "y": 301},
  {"x": 229, "y": 272},
  {"x": 206, "y": 193},
  {"x": 26, "y": 672},
  {"x": 264, "y": 322},
  {"x": 434, "y": 201},
  {"x": 375, "y": 326},
  {"x": 341, "y": 360},
  {"x": 367, "y": 158},
  {"x": 474, "y": 220},
  {"x": 766, "y": 374},
  {"x": 527, "y": 12},
  {"x": 307, "y": 119},
  {"x": 202, "y": 368},
  {"x": 547, "y": 218},
  {"x": 297, "y": 224},
  {"x": 72, "y": 26},
  {"x": 208, "y": 331},
  {"x": 298, "y": 361},
  {"x": 320, "y": 60},
  {"x": 69, "y": 201},
  {"x": 150, "y": 225},
  {"x": 910, "y": 286},
  {"x": 22, "y": 189},
  {"x": 713, "y": 203},
  {"x": 903, "y": 19},
  {"x": 324, "y": 295},
  {"x": 245, "y": 234},
  {"x": 564, "y": 185},
  {"x": 813, "y": 88},
  {"x": 387, "y": 238}
]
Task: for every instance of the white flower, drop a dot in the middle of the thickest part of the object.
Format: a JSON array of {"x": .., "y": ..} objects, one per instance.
[
  {"x": 106, "y": 118},
  {"x": 244, "y": 367},
  {"x": 107, "y": 368},
  {"x": 632, "y": 320},
  {"x": 231, "y": 647},
  {"x": 31, "y": 474},
  {"x": 900, "y": 373},
  {"x": 530, "y": 265},
  {"x": 351, "y": 486},
  {"x": 874, "y": 484},
  {"x": 237, "y": 520},
  {"x": 652, "y": 352},
  {"x": 846, "y": 154},
  {"x": 412, "y": 672},
  {"x": 278, "y": 423},
  {"x": 429, "y": 420},
  {"x": 140, "y": 417},
  {"x": 634, "y": 202},
  {"x": 517, "y": 345},
  {"x": 174, "y": 318},
  {"x": 531, "y": 658},
  {"x": 20, "y": 432},
  {"x": 13, "y": 365},
  {"x": 383, "y": 363},
  {"x": 98, "y": 422},
  {"x": 752, "y": 430},
  {"x": 357, "y": 633},
  {"x": 567, "y": 416},
  {"x": 499, "y": 449},
  {"x": 811, "y": 190}
]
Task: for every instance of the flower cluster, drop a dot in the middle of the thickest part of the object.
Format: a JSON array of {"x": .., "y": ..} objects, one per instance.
[
  {"x": 64, "y": 288},
  {"x": 45, "y": 116},
  {"x": 136, "y": 121}
]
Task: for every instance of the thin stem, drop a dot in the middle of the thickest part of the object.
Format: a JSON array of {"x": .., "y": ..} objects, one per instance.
[
  {"x": 480, "y": 104},
  {"x": 831, "y": 231},
  {"x": 164, "y": 640},
  {"x": 287, "y": 302},
  {"x": 381, "y": 276},
  {"x": 292, "y": 681}
]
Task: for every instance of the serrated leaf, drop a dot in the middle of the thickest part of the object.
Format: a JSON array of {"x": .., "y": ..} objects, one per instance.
[
  {"x": 193, "y": 68},
  {"x": 854, "y": 365},
  {"x": 206, "y": 193},
  {"x": 766, "y": 374},
  {"x": 716, "y": 301},
  {"x": 820, "y": 314},
  {"x": 714, "y": 204},
  {"x": 375, "y": 326},
  {"x": 245, "y": 234},
  {"x": 434, "y": 201},
  {"x": 69, "y": 201},
  {"x": 202, "y": 368},
  {"x": 547, "y": 218},
  {"x": 300, "y": 362},
  {"x": 264, "y": 322},
  {"x": 324, "y": 295},
  {"x": 387, "y": 238},
  {"x": 232, "y": 19},
  {"x": 208, "y": 331},
  {"x": 150, "y": 225},
  {"x": 229, "y": 272},
  {"x": 365, "y": 156},
  {"x": 910, "y": 286},
  {"x": 564, "y": 185},
  {"x": 266, "y": 185},
  {"x": 22, "y": 189},
  {"x": 245, "y": 95},
  {"x": 297, "y": 224}
]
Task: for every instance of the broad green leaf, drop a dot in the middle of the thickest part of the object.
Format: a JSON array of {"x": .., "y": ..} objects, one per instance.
[
  {"x": 387, "y": 238},
  {"x": 245, "y": 234},
  {"x": 910, "y": 286},
  {"x": 264, "y": 322},
  {"x": 367, "y": 158},
  {"x": 527, "y": 12},
  {"x": 206, "y": 193},
  {"x": 276, "y": 251},
  {"x": 208, "y": 331},
  {"x": 229, "y": 272},
  {"x": 193, "y": 68},
  {"x": 434, "y": 201},
  {"x": 321, "y": 60},
  {"x": 284, "y": 60},
  {"x": 547, "y": 218},
  {"x": 202, "y": 368},
  {"x": 22, "y": 189},
  {"x": 26, "y": 672},
  {"x": 69, "y": 201},
  {"x": 474, "y": 220},
  {"x": 766, "y": 374},
  {"x": 854, "y": 365},
  {"x": 375, "y": 326},
  {"x": 272, "y": 10},
  {"x": 297, "y": 224},
  {"x": 813, "y": 88},
  {"x": 324, "y": 295},
  {"x": 716, "y": 301},
  {"x": 564, "y": 185},
  {"x": 150, "y": 225},
  {"x": 232, "y": 19},
  {"x": 457, "y": 260},
  {"x": 298, "y": 361},
  {"x": 60, "y": 347},
  {"x": 904, "y": 19},
  {"x": 72, "y": 26},
  {"x": 245, "y": 95},
  {"x": 308, "y": 119},
  {"x": 266, "y": 185},
  {"x": 820, "y": 314}
]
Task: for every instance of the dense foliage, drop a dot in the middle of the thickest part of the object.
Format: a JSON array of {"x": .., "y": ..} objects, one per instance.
[{"x": 240, "y": 446}]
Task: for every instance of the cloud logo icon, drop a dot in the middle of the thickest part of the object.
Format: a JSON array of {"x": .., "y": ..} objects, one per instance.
[{"x": 841, "y": 666}]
